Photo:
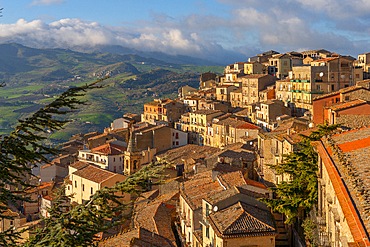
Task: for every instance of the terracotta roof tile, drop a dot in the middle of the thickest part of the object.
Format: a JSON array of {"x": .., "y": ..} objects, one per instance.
[
  {"x": 96, "y": 174},
  {"x": 231, "y": 179},
  {"x": 343, "y": 90},
  {"x": 349, "y": 104},
  {"x": 155, "y": 217},
  {"x": 346, "y": 160},
  {"x": 200, "y": 186},
  {"x": 242, "y": 219},
  {"x": 354, "y": 145},
  {"x": 109, "y": 149},
  {"x": 79, "y": 165}
]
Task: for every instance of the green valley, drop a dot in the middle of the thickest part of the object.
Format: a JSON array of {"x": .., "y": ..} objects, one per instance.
[{"x": 33, "y": 77}]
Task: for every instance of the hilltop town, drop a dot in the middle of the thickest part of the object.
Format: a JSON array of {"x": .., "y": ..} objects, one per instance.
[{"x": 222, "y": 144}]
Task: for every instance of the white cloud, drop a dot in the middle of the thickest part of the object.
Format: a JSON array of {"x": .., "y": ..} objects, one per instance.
[{"x": 251, "y": 26}]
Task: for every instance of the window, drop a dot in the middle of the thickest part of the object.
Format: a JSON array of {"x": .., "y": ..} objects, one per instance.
[
  {"x": 91, "y": 190},
  {"x": 75, "y": 184},
  {"x": 83, "y": 187},
  {"x": 346, "y": 98},
  {"x": 114, "y": 159},
  {"x": 332, "y": 87},
  {"x": 177, "y": 135}
]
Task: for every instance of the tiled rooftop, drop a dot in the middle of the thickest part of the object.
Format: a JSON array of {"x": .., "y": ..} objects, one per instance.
[
  {"x": 242, "y": 220},
  {"x": 109, "y": 149},
  {"x": 239, "y": 124},
  {"x": 206, "y": 112},
  {"x": 99, "y": 136},
  {"x": 343, "y": 90},
  {"x": 155, "y": 217},
  {"x": 346, "y": 105},
  {"x": 200, "y": 186},
  {"x": 231, "y": 179},
  {"x": 79, "y": 165},
  {"x": 136, "y": 237},
  {"x": 96, "y": 174},
  {"x": 350, "y": 153},
  {"x": 178, "y": 155}
]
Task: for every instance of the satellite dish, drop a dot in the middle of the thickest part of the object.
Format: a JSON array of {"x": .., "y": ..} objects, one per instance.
[
  {"x": 321, "y": 74},
  {"x": 215, "y": 208}
]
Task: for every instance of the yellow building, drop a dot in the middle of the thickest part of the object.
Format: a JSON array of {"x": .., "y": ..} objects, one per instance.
[
  {"x": 232, "y": 73},
  {"x": 231, "y": 130},
  {"x": 89, "y": 179},
  {"x": 165, "y": 110},
  {"x": 253, "y": 68},
  {"x": 252, "y": 85},
  {"x": 223, "y": 92},
  {"x": 282, "y": 63},
  {"x": 199, "y": 122}
]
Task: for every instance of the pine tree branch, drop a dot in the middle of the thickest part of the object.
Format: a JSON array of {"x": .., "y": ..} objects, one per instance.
[{"x": 23, "y": 148}]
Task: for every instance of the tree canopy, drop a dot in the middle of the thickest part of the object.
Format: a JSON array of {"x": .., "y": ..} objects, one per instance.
[{"x": 301, "y": 192}]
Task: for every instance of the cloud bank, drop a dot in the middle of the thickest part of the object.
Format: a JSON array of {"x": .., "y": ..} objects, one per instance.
[{"x": 246, "y": 29}]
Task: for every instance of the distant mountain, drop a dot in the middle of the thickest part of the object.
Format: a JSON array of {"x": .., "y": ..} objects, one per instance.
[
  {"x": 173, "y": 59},
  {"x": 34, "y": 76},
  {"x": 19, "y": 63}
]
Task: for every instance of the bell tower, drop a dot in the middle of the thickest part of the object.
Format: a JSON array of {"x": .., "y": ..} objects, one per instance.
[{"x": 132, "y": 157}]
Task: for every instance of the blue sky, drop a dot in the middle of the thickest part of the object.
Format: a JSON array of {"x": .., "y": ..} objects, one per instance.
[{"x": 219, "y": 29}]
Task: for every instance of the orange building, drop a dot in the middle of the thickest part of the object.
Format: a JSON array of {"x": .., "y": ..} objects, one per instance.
[{"x": 166, "y": 110}]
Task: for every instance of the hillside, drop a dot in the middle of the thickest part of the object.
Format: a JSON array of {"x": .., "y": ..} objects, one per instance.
[{"x": 34, "y": 76}]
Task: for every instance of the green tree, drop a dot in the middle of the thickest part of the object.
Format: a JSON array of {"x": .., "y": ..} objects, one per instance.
[
  {"x": 23, "y": 148},
  {"x": 80, "y": 225},
  {"x": 301, "y": 192}
]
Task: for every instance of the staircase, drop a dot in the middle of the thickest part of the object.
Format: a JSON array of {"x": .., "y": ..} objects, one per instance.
[{"x": 282, "y": 238}]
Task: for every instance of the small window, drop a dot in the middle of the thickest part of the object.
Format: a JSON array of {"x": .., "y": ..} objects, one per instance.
[
  {"x": 83, "y": 187},
  {"x": 75, "y": 184},
  {"x": 346, "y": 98},
  {"x": 91, "y": 190}
]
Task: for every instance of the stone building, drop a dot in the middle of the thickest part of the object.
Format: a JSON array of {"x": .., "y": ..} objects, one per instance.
[
  {"x": 320, "y": 104},
  {"x": 163, "y": 111},
  {"x": 252, "y": 85},
  {"x": 343, "y": 185}
]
